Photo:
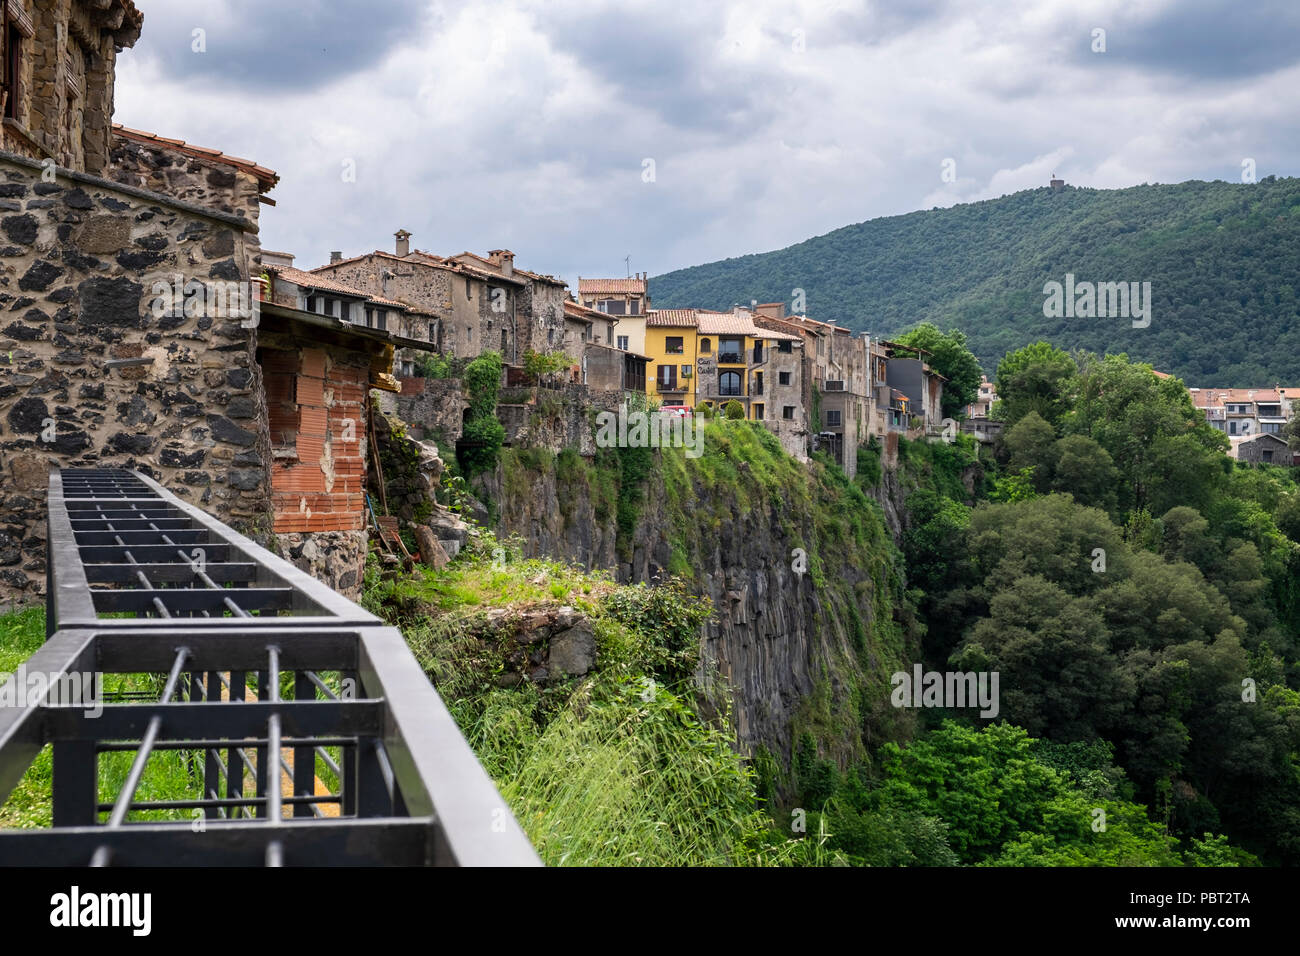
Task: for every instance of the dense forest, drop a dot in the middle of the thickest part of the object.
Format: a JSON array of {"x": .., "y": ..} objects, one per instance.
[
  {"x": 1220, "y": 257},
  {"x": 1139, "y": 594}
]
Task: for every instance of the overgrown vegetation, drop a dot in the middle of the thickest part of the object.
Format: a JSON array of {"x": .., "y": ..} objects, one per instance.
[
  {"x": 483, "y": 434},
  {"x": 616, "y": 767}
]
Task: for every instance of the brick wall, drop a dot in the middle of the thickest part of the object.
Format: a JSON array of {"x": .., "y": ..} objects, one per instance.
[{"x": 316, "y": 405}]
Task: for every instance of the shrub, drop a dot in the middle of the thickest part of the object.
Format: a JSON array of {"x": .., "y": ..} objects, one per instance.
[{"x": 735, "y": 410}]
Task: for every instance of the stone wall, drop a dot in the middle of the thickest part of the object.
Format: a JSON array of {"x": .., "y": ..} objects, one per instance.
[
  {"x": 91, "y": 376},
  {"x": 541, "y": 317},
  {"x": 558, "y": 418},
  {"x": 431, "y": 407},
  {"x": 205, "y": 183}
]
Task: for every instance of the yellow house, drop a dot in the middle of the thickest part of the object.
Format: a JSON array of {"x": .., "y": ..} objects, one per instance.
[
  {"x": 670, "y": 343},
  {"x": 712, "y": 358}
]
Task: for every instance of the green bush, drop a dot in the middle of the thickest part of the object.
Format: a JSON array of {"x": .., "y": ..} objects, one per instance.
[{"x": 735, "y": 410}]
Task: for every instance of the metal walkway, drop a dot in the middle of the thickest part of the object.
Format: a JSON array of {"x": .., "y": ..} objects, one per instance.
[{"x": 142, "y": 583}]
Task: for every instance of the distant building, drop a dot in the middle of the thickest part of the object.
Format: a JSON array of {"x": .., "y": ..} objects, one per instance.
[
  {"x": 984, "y": 400},
  {"x": 1262, "y": 449},
  {"x": 1239, "y": 412},
  {"x": 627, "y": 300}
]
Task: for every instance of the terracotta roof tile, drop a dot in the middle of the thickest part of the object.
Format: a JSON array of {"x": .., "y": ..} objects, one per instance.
[
  {"x": 582, "y": 313},
  {"x": 727, "y": 323},
  {"x": 1208, "y": 397},
  {"x": 611, "y": 285},
  {"x": 309, "y": 280},
  {"x": 671, "y": 318},
  {"x": 267, "y": 178}
]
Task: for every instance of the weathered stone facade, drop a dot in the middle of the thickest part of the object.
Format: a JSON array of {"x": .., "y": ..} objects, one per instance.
[
  {"x": 431, "y": 407},
  {"x": 62, "y": 101},
  {"x": 93, "y": 374},
  {"x": 472, "y": 310}
]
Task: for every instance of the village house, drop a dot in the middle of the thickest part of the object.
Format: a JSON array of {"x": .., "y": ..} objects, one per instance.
[
  {"x": 629, "y": 296},
  {"x": 627, "y": 300},
  {"x": 322, "y": 347},
  {"x": 606, "y": 367},
  {"x": 984, "y": 400},
  {"x": 1245, "y": 411},
  {"x": 538, "y": 303},
  {"x": 698, "y": 357},
  {"x": 1267, "y": 449}
]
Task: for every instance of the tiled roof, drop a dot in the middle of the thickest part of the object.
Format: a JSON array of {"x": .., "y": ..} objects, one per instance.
[
  {"x": 309, "y": 280},
  {"x": 267, "y": 178},
  {"x": 380, "y": 300},
  {"x": 478, "y": 266},
  {"x": 574, "y": 311},
  {"x": 596, "y": 286},
  {"x": 726, "y": 323},
  {"x": 779, "y": 325},
  {"x": 670, "y": 318},
  {"x": 1207, "y": 397}
]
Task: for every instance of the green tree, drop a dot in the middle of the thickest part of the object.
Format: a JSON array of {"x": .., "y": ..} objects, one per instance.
[
  {"x": 1085, "y": 470},
  {"x": 1037, "y": 378},
  {"x": 1165, "y": 451},
  {"x": 482, "y": 433},
  {"x": 1031, "y": 443},
  {"x": 539, "y": 365},
  {"x": 950, "y": 357}
]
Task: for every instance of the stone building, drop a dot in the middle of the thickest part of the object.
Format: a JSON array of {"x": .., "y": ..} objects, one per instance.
[
  {"x": 474, "y": 303},
  {"x": 538, "y": 305},
  {"x": 128, "y": 340},
  {"x": 59, "y": 60},
  {"x": 1262, "y": 449},
  {"x": 135, "y": 332}
]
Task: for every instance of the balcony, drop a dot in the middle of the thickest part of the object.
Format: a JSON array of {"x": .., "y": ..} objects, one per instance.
[
  {"x": 730, "y": 357},
  {"x": 833, "y": 385}
]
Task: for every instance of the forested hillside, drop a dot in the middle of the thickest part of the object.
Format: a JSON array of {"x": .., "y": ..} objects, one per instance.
[{"x": 1222, "y": 260}]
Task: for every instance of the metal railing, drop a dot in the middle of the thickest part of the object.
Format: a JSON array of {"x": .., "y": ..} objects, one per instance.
[{"x": 308, "y": 733}]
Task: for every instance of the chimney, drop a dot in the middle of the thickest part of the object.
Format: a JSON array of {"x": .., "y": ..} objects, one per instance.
[
  {"x": 504, "y": 259},
  {"x": 403, "y": 243},
  {"x": 336, "y": 257}
]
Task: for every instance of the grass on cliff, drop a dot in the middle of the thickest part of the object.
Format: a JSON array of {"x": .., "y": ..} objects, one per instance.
[
  {"x": 616, "y": 767},
  {"x": 745, "y": 499}
]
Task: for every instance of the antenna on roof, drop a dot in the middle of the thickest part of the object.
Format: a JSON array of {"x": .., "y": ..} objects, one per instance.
[{"x": 627, "y": 261}]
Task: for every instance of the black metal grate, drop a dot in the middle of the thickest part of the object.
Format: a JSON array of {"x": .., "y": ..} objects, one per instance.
[
  {"x": 123, "y": 546},
  {"x": 318, "y": 745}
]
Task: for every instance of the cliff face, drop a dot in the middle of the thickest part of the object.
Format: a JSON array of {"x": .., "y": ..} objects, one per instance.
[{"x": 800, "y": 567}]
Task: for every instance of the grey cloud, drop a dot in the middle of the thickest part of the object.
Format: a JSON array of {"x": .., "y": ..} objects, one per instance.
[
  {"x": 274, "y": 47},
  {"x": 1201, "y": 39}
]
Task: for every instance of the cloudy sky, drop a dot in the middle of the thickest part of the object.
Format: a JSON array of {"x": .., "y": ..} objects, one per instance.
[{"x": 678, "y": 132}]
